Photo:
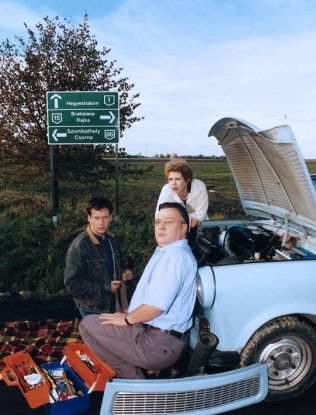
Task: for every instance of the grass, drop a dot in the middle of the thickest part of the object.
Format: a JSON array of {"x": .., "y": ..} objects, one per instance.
[{"x": 32, "y": 250}]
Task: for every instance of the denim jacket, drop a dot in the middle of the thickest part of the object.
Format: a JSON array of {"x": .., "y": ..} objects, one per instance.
[{"x": 86, "y": 278}]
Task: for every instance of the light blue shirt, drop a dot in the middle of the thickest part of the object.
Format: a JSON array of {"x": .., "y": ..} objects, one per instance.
[{"x": 168, "y": 282}]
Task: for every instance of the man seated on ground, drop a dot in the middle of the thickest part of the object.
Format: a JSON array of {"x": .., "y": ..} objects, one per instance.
[
  {"x": 155, "y": 331},
  {"x": 93, "y": 273}
]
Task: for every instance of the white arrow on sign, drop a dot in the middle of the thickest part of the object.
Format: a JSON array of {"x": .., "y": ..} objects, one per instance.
[
  {"x": 110, "y": 117},
  {"x": 55, "y": 97},
  {"x": 57, "y": 135}
]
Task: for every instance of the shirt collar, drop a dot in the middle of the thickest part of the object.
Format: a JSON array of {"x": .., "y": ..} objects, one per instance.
[{"x": 180, "y": 242}]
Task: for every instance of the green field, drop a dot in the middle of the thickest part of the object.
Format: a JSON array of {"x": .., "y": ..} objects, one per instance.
[{"x": 32, "y": 250}]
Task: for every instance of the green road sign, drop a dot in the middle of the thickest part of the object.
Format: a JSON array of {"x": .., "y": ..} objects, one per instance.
[{"x": 83, "y": 117}]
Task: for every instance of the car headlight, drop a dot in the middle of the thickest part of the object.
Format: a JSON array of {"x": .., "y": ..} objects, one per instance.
[{"x": 205, "y": 287}]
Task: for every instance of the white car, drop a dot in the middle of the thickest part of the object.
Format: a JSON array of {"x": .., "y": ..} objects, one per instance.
[
  {"x": 257, "y": 288},
  {"x": 313, "y": 177}
]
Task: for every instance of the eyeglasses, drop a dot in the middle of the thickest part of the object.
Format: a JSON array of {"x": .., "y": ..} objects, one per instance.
[{"x": 166, "y": 222}]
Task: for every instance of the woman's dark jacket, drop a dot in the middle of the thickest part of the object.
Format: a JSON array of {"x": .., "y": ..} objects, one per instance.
[{"x": 86, "y": 277}]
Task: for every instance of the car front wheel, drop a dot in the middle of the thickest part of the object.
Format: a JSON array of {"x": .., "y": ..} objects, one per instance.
[{"x": 288, "y": 346}]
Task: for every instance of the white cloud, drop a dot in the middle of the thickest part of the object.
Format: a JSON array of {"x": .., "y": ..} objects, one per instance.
[
  {"x": 13, "y": 15},
  {"x": 259, "y": 79},
  {"x": 195, "y": 62}
]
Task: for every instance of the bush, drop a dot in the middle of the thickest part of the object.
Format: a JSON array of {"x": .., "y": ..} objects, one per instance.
[{"x": 33, "y": 251}]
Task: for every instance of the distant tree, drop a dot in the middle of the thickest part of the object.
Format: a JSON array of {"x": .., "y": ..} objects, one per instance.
[{"x": 56, "y": 56}]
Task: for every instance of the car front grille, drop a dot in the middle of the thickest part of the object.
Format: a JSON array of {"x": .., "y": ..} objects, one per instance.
[{"x": 127, "y": 403}]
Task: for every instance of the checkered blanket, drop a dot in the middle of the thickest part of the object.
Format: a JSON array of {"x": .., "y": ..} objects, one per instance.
[{"x": 44, "y": 340}]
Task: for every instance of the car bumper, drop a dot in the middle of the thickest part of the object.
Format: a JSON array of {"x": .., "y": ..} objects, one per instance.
[{"x": 201, "y": 395}]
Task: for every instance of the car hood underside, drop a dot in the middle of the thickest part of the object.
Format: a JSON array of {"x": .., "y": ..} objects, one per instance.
[{"x": 269, "y": 170}]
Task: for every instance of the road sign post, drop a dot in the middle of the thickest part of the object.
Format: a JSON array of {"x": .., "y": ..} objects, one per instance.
[
  {"x": 83, "y": 117},
  {"x": 54, "y": 184}
]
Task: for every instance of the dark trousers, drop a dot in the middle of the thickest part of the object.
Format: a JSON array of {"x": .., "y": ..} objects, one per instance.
[{"x": 128, "y": 349}]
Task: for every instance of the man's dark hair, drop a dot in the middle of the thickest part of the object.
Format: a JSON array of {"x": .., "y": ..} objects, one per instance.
[
  {"x": 179, "y": 208},
  {"x": 97, "y": 203}
]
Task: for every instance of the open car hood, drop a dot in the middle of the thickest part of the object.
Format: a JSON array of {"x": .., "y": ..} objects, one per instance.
[{"x": 269, "y": 171}]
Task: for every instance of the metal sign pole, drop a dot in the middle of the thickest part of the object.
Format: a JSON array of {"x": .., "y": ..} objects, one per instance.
[
  {"x": 54, "y": 186},
  {"x": 116, "y": 180}
]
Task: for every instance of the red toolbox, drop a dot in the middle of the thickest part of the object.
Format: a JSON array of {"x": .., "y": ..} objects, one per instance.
[
  {"x": 80, "y": 370},
  {"x": 94, "y": 372},
  {"x": 18, "y": 365}
]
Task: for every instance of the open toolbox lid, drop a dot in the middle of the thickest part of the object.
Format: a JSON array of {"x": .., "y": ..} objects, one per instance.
[
  {"x": 91, "y": 369},
  {"x": 12, "y": 376}
]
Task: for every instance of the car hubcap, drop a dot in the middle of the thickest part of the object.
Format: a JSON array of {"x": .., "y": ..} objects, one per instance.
[{"x": 288, "y": 359}]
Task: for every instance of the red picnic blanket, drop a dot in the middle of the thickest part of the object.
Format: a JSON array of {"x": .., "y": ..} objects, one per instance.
[{"x": 44, "y": 340}]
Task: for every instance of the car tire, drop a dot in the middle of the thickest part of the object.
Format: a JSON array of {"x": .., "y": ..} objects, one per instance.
[{"x": 288, "y": 345}]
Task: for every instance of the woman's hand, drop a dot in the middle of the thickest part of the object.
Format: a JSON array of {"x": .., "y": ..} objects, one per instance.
[{"x": 194, "y": 223}]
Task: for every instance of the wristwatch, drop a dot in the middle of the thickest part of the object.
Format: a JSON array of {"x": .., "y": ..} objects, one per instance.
[{"x": 126, "y": 321}]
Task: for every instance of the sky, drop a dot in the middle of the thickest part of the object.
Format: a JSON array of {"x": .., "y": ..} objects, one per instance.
[{"x": 196, "y": 61}]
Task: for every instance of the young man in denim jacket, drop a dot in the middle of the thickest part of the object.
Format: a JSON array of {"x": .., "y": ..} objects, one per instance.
[{"x": 93, "y": 274}]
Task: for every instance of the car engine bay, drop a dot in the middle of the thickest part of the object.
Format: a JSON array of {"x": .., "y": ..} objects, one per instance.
[{"x": 223, "y": 245}]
